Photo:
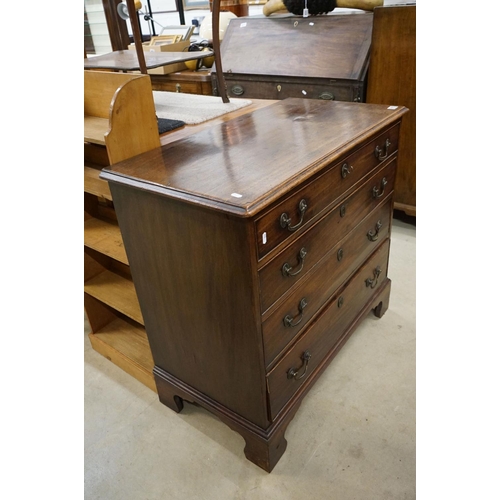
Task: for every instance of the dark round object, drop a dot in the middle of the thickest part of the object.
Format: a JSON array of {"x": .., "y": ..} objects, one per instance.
[{"x": 315, "y": 7}]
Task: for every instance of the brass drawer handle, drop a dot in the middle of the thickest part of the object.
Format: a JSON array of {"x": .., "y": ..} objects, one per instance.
[
  {"x": 288, "y": 320},
  {"x": 378, "y": 193},
  {"x": 372, "y": 282},
  {"x": 292, "y": 372},
  {"x": 327, "y": 96},
  {"x": 285, "y": 221},
  {"x": 178, "y": 87},
  {"x": 346, "y": 170},
  {"x": 237, "y": 90},
  {"x": 373, "y": 235},
  {"x": 378, "y": 151},
  {"x": 286, "y": 270}
]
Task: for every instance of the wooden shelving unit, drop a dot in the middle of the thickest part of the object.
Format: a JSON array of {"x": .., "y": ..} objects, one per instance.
[{"x": 110, "y": 299}]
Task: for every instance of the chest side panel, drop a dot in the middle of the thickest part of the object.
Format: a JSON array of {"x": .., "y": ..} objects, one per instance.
[{"x": 194, "y": 273}]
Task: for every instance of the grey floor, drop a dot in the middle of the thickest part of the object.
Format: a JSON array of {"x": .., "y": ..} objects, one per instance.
[{"x": 353, "y": 438}]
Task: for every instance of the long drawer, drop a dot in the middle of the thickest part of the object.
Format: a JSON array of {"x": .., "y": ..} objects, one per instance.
[
  {"x": 265, "y": 87},
  {"x": 295, "y": 261},
  {"x": 305, "y": 299},
  {"x": 306, "y": 205},
  {"x": 308, "y": 352}
]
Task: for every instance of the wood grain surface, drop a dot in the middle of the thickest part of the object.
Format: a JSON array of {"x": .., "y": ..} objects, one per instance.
[{"x": 242, "y": 165}]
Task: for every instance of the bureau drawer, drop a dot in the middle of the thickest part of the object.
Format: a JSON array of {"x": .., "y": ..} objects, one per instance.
[
  {"x": 182, "y": 87},
  {"x": 293, "y": 263},
  {"x": 309, "y": 351},
  {"x": 292, "y": 314},
  {"x": 281, "y": 89},
  {"x": 299, "y": 210}
]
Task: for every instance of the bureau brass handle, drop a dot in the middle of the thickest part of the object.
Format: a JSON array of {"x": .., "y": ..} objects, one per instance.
[
  {"x": 177, "y": 87},
  {"x": 237, "y": 90},
  {"x": 378, "y": 193},
  {"x": 378, "y": 151},
  {"x": 286, "y": 270},
  {"x": 346, "y": 170},
  {"x": 288, "y": 320},
  {"x": 285, "y": 221},
  {"x": 327, "y": 96},
  {"x": 373, "y": 235},
  {"x": 372, "y": 282},
  {"x": 293, "y": 372}
]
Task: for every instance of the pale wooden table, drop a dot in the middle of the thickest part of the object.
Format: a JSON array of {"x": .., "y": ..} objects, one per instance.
[{"x": 126, "y": 60}]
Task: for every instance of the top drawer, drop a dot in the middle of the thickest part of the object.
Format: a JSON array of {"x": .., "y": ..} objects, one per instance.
[{"x": 305, "y": 205}]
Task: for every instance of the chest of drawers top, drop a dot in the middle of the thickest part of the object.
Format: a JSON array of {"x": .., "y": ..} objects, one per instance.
[{"x": 245, "y": 164}]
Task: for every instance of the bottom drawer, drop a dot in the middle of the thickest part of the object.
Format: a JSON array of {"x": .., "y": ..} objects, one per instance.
[{"x": 309, "y": 351}]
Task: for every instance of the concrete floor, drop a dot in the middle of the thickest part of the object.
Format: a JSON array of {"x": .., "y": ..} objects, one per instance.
[{"x": 353, "y": 438}]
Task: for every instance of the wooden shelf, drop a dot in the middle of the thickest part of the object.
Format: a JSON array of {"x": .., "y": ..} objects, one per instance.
[
  {"x": 105, "y": 237},
  {"x": 119, "y": 123},
  {"x": 95, "y": 129},
  {"x": 127, "y": 346},
  {"x": 93, "y": 185},
  {"x": 117, "y": 292}
]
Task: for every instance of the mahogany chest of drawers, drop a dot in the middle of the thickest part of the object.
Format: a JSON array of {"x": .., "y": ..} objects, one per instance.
[
  {"x": 319, "y": 57},
  {"x": 256, "y": 247}
]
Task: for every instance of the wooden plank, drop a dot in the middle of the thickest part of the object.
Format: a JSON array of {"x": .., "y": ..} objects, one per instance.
[
  {"x": 127, "y": 347},
  {"x": 93, "y": 185},
  {"x": 94, "y": 129},
  {"x": 126, "y": 60},
  {"x": 393, "y": 81},
  {"x": 330, "y": 47},
  {"x": 133, "y": 123},
  {"x": 117, "y": 292},
  {"x": 105, "y": 237}
]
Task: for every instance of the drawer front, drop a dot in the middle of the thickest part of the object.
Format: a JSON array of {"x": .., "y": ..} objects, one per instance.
[
  {"x": 293, "y": 313},
  {"x": 299, "y": 210},
  {"x": 309, "y": 351},
  {"x": 291, "y": 265},
  {"x": 183, "y": 87},
  {"x": 338, "y": 91}
]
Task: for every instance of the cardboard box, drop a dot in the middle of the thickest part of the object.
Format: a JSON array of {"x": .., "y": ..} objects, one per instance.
[{"x": 172, "y": 47}]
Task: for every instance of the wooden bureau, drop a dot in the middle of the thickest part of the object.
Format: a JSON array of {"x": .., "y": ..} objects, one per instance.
[
  {"x": 318, "y": 57},
  {"x": 256, "y": 247}
]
